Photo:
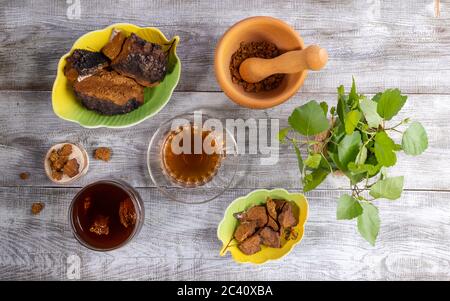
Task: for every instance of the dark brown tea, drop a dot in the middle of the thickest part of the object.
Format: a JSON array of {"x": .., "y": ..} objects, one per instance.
[
  {"x": 104, "y": 215},
  {"x": 191, "y": 168}
]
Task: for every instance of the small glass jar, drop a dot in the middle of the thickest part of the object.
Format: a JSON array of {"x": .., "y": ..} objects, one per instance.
[{"x": 106, "y": 215}]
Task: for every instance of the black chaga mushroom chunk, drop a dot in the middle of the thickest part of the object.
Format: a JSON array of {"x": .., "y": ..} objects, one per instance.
[
  {"x": 270, "y": 238},
  {"x": 84, "y": 63},
  {"x": 245, "y": 230},
  {"x": 257, "y": 214},
  {"x": 286, "y": 218},
  {"x": 109, "y": 93},
  {"x": 144, "y": 61},
  {"x": 251, "y": 245}
]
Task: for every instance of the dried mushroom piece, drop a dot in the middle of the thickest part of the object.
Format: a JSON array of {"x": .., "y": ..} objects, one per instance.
[
  {"x": 57, "y": 175},
  {"x": 102, "y": 153},
  {"x": 290, "y": 233},
  {"x": 256, "y": 213},
  {"x": 279, "y": 204},
  {"x": 251, "y": 245},
  {"x": 127, "y": 213},
  {"x": 245, "y": 230},
  {"x": 57, "y": 161},
  {"x": 87, "y": 203},
  {"x": 24, "y": 175},
  {"x": 271, "y": 208},
  {"x": 141, "y": 60},
  {"x": 114, "y": 46},
  {"x": 82, "y": 63},
  {"x": 65, "y": 150},
  {"x": 109, "y": 93},
  {"x": 286, "y": 218},
  {"x": 36, "y": 208},
  {"x": 71, "y": 168},
  {"x": 270, "y": 238},
  {"x": 100, "y": 225},
  {"x": 273, "y": 224}
]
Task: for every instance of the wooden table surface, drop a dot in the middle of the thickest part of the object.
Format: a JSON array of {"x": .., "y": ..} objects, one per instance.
[{"x": 382, "y": 43}]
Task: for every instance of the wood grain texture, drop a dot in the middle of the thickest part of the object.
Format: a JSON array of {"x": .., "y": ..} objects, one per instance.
[
  {"x": 30, "y": 127},
  {"x": 383, "y": 43},
  {"x": 189, "y": 248}
]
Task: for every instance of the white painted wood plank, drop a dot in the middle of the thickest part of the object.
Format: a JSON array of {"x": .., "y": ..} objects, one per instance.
[
  {"x": 382, "y": 43},
  {"x": 413, "y": 242},
  {"x": 29, "y": 127}
]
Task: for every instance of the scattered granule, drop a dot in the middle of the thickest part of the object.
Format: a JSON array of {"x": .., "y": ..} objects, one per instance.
[
  {"x": 36, "y": 208},
  {"x": 24, "y": 175},
  {"x": 102, "y": 153}
]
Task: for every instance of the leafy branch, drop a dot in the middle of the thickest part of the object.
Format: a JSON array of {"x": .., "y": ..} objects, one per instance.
[{"x": 353, "y": 139}]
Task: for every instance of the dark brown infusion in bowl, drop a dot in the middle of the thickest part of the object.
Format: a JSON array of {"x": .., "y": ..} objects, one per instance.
[{"x": 104, "y": 216}]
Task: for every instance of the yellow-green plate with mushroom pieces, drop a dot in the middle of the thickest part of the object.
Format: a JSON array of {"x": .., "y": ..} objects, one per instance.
[
  {"x": 68, "y": 107},
  {"x": 227, "y": 226}
]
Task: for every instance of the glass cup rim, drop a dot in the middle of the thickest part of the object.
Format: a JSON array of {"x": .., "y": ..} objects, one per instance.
[{"x": 135, "y": 198}]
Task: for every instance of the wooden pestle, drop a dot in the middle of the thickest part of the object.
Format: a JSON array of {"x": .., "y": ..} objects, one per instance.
[{"x": 254, "y": 69}]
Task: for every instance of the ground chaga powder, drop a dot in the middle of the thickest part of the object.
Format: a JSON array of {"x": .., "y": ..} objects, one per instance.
[{"x": 265, "y": 50}]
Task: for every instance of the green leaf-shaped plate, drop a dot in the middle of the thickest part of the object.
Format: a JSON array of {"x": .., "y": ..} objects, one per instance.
[
  {"x": 67, "y": 107},
  {"x": 229, "y": 223}
]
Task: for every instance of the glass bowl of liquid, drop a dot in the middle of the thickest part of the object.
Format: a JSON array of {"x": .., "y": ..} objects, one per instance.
[
  {"x": 106, "y": 215},
  {"x": 192, "y": 158}
]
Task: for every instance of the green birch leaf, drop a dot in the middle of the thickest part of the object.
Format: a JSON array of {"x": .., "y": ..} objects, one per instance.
[
  {"x": 377, "y": 97},
  {"x": 324, "y": 107},
  {"x": 341, "y": 107},
  {"x": 348, "y": 207},
  {"x": 351, "y": 121},
  {"x": 363, "y": 168},
  {"x": 313, "y": 161},
  {"x": 309, "y": 119},
  {"x": 369, "y": 222},
  {"x": 384, "y": 149},
  {"x": 299, "y": 158},
  {"x": 348, "y": 149},
  {"x": 415, "y": 139},
  {"x": 390, "y": 103},
  {"x": 362, "y": 156},
  {"x": 389, "y": 188},
  {"x": 369, "y": 109},
  {"x": 314, "y": 179},
  {"x": 353, "y": 95},
  {"x": 283, "y": 133}
]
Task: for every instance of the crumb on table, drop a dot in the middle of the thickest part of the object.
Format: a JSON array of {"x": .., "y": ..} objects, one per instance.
[
  {"x": 24, "y": 175},
  {"x": 36, "y": 208},
  {"x": 103, "y": 153}
]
